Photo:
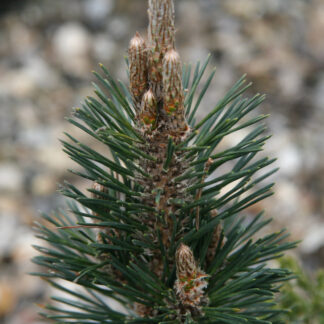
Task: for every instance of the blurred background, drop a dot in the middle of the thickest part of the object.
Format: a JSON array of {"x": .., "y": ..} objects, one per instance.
[{"x": 47, "y": 51}]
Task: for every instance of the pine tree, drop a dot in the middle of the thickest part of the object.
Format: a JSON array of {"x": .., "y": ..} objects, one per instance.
[{"x": 158, "y": 234}]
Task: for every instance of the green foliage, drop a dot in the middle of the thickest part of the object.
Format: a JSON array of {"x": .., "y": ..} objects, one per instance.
[
  {"x": 241, "y": 286},
  {"x": 303, "y": 297}
]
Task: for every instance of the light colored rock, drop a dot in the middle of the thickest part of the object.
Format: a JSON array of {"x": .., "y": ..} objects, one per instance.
[
  {"x": 43, "y": 185},
  {"x": 98, "y": 9},
  {"x": 287, "y": 194},
  {"x": 55, "y": 159},
  {"x": 34, "y": 75},
  {"x": 319, "y": 95},
  {"x": 9, "y": 231},
  {"x": 316, "y": 30},
  {"x": 71, "y": 44},
  {"x": 118, "y": 27},
  {"x": 194, "y": 54},
  {"x": 289, "y": 81},
  {"x": 71, "y": 40},
  {"x": 289, "y": 160},
  {"x": 35, "y": 137},
  {"x": 283, "y": 147},
  {"x": 17, "y": 84},
  {"x": 11, "y": 178},
  {"x": 104, "y": 48},
  {"x": 244, "y": 8},
  {"x": 40, "y": 73},
  {"x": 235, "y": 47},
  {"x": 27, "y": 115},
  {"x": 8, "y": 298},
  {"x": 314, "y": 238},
  {"x": 28, "y": 39}
]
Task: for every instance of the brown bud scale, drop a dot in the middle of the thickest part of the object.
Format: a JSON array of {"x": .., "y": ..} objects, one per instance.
[
  {"x": 161, "y": 34},
  {"x": 138, "y": 72},
  {"x": 191, "y": 281},
  {"x": 148, "y": 108},
  {"x": 172, "y": 83}
]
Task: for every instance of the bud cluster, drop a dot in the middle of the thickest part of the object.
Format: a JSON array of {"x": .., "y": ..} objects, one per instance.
[
  {"x": 156, "y": 75},
  {"x": 158, "y": 95}
]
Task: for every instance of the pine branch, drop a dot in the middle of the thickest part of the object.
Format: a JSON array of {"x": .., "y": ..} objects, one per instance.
[{"x": 159, "y": 237}]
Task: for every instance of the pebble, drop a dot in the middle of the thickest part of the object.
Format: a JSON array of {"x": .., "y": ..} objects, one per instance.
[
  {"x": 319, "y": 95},
  {"x": 316, "y": 30},
  {"x": 288, "y": 154},
  {"x": 35, "y": 138},
  {"x": 104, "y": 48},
  {"x": 11, "y": 178},
  {"x": 290, "y": 81},
  {"x": 313, "y": 239},
  {"x": 289, "y": 160},
  {"x": 71, "y": 45},
  {"x": 118, "y": 27},
  {"x": 8, "y": 298},
  {"x": 98, "y": 9},
  {"x": 9, "y": 232},
  {"x": 43, "y": 184}
]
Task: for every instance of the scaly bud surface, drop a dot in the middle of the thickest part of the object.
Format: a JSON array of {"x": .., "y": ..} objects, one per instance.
[
  {"x": 161, "y": 34},
  {"x": 172, "y": 83},
  {"x": 173, "y": 97},
  {"x": 161, "y": 24},
  {"x": 148, "y": 108},
  {"x": 138, "y": 71},
  {"x": 191, "y": 281},
  {"x": 185, "y": 261}
]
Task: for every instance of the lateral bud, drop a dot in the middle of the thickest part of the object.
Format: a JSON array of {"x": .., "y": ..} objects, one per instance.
[
  {"x": 185, "y": 262},
  {"x": 172, "y": 83},
  {"x": 137, "y": 53},
  {"x": 148, "y": 108},
  {"x": 191, "y": 281},
  {"x": 218, "y": 238}
]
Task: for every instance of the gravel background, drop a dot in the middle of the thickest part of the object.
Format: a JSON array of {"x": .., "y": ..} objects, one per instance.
[{"x": 47, "y": 51}]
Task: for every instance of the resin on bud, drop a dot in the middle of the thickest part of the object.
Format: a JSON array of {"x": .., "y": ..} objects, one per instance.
[
  {"x": 191, "y": 281},
  {"x": 148, "y": 112},
  {"x": 137, "y": 53}
]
